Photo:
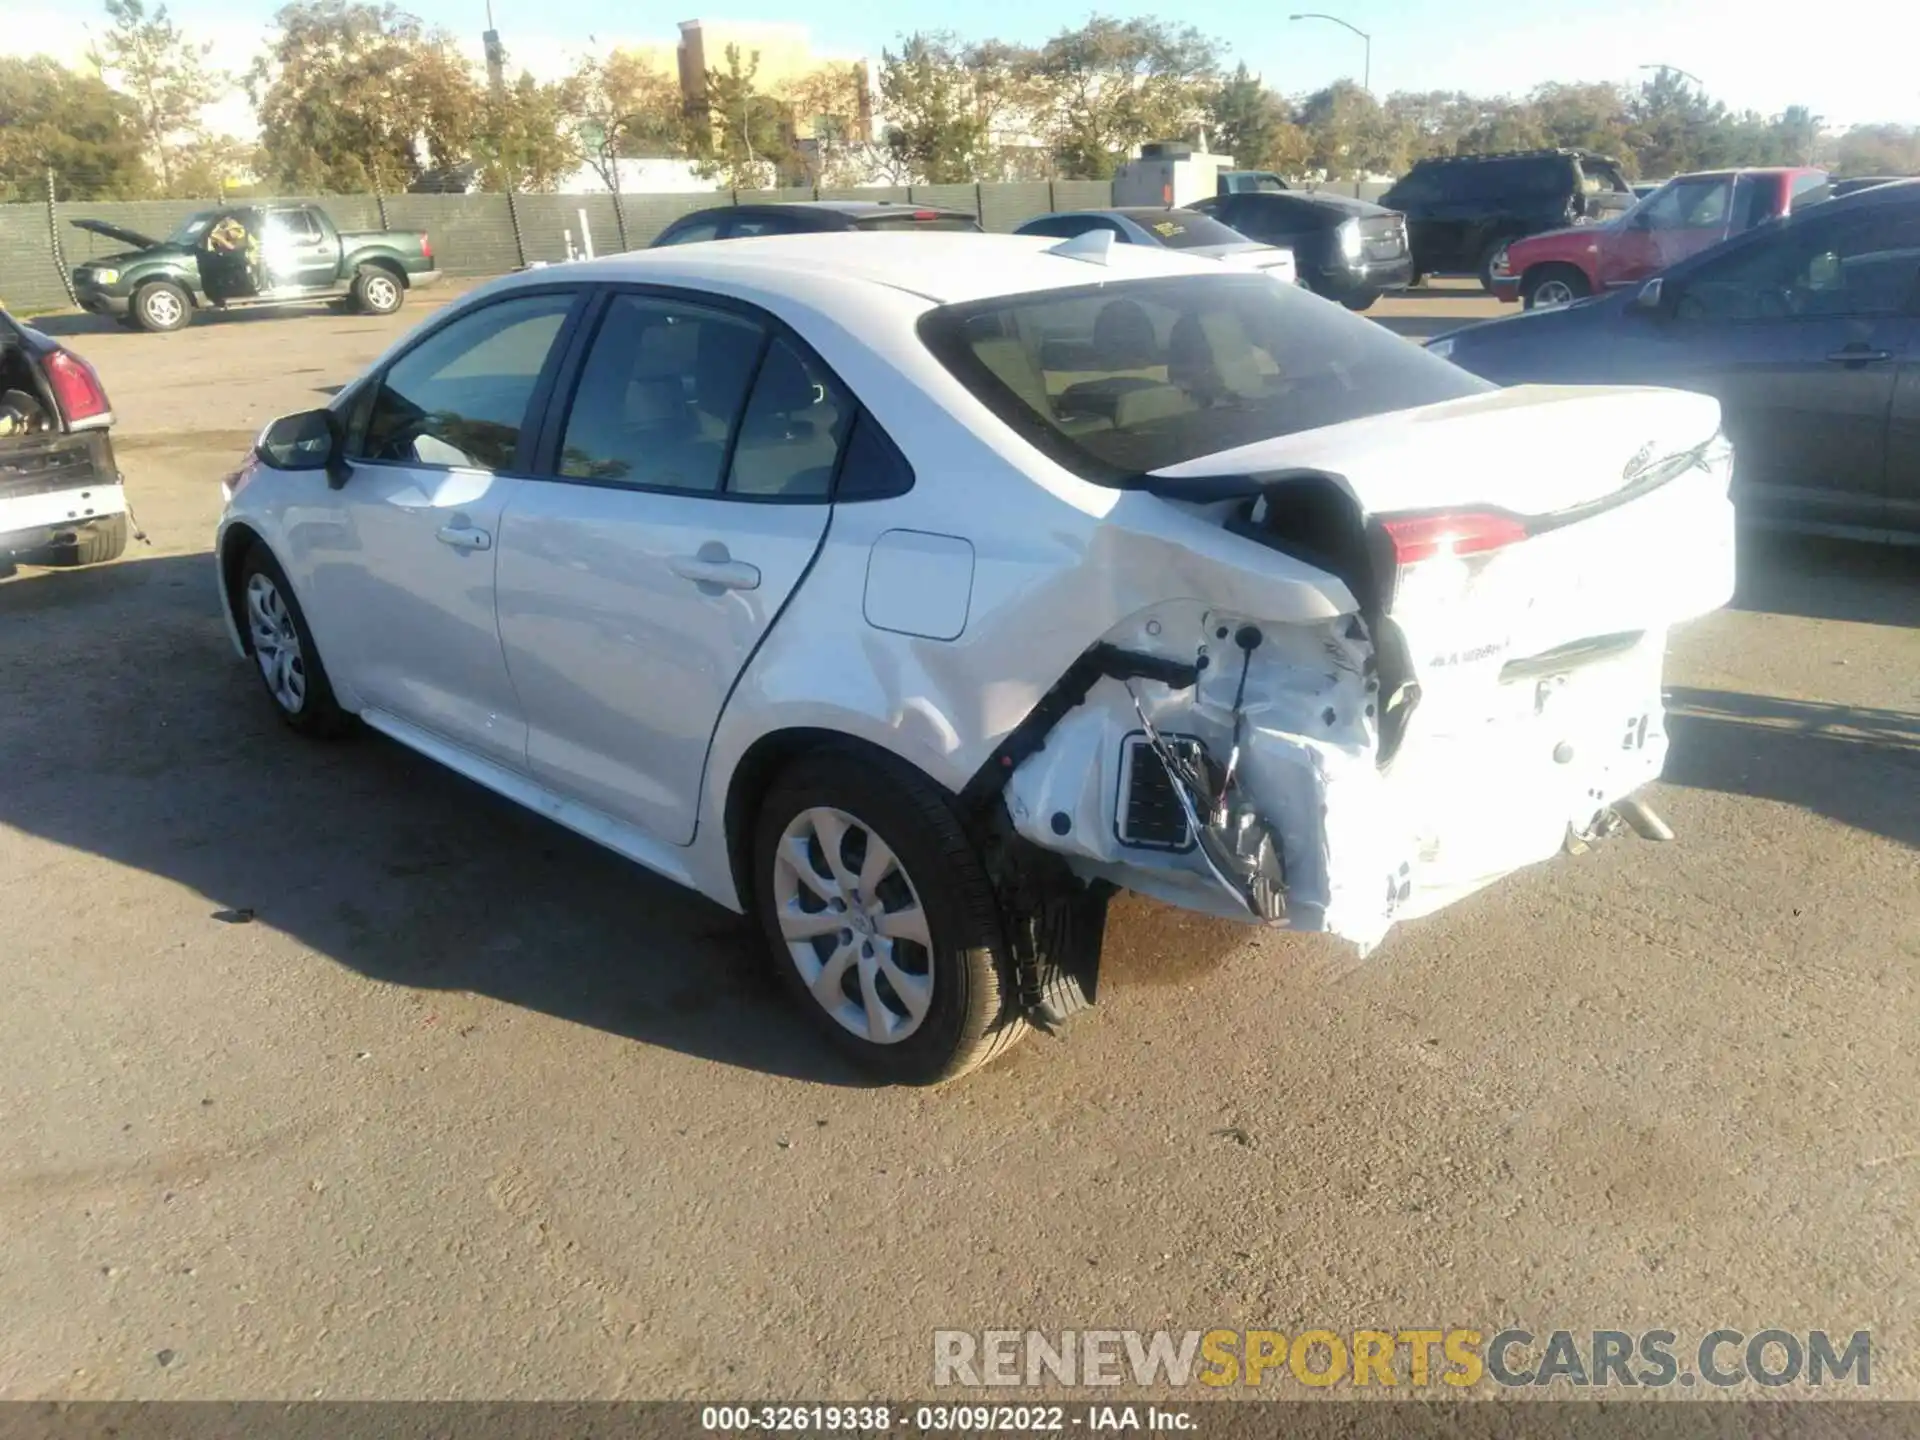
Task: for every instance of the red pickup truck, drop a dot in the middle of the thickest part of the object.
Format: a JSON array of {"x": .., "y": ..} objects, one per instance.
[{"x": 1684, "y": 216}]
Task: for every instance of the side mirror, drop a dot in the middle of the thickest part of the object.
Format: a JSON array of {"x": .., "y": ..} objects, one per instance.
[
  {"x": 309, "y": 440},
  {"x": 1651, "y": 296}
]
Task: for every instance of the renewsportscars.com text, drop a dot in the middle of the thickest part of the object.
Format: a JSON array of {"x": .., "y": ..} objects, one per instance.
[{"x": 1456, "y": 1357}]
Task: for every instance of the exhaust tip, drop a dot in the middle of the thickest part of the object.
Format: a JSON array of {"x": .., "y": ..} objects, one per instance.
[{"x": 1642, "y": 820}]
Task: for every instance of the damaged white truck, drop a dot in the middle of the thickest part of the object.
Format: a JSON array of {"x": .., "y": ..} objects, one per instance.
[{"x": 913, "y": 593}]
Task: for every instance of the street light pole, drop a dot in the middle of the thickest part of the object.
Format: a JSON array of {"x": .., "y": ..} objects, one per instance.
[{"x": 1366, "y": 81}]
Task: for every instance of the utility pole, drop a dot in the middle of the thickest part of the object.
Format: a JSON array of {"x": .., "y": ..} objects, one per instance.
[
  {"x": 496, "y": 56},
  {"x": 1366, "y": 61}
]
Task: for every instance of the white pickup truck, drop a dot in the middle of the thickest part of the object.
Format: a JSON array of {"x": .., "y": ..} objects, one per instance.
[{"x": 62, "y": 501}]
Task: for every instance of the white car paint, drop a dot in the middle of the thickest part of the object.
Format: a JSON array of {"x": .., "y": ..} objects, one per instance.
[
  {"x": 620, "y": 697},
  {"x": 22, "y": 515}
]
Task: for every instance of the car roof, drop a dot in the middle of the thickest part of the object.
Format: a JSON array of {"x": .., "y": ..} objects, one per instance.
[
  {"x": 945, "y": 267},
  {"x": 845, "y": 207}
]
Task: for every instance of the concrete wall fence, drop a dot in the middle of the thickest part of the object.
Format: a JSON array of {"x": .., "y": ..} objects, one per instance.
[{"x": 480, "y": 234}]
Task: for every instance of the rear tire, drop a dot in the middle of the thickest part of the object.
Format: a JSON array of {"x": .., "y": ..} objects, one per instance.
[
  {"x": 282, "y": 648},
  {"x": 160, "y": 306},
  {"x": 377, "y": 292},
  {"x": 938, "y": 1004},
  {"x": 1492, "y": 251},
  {"x": 97, "y": 543},
  {"x": 1548, "y": 287}
]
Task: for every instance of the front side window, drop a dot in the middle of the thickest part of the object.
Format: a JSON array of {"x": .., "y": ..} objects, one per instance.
[
  {"x": 1115, "y": 381},
  {"x": 1860, "y": 265},
  {"x": 460, "y": 397}
]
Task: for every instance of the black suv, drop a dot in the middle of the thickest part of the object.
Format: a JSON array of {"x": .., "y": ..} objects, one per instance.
[{"x": 1463, "y": 209}]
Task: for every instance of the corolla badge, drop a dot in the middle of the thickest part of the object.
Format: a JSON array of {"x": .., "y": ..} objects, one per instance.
[{"x": 1637, "y": 466}]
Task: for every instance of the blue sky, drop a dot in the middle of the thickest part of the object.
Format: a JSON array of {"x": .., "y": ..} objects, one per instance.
[{"x": 1856, "y": 69}]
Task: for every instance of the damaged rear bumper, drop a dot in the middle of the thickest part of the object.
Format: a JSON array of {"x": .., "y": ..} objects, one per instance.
[{"x": 1250, "y": 785}]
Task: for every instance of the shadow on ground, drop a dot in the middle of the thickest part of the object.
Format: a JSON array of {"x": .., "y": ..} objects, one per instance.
[
  {"x": 157, "y": 751},
  {"x": 82, "y": 323},
  {"x": 1858, "y": 766}
]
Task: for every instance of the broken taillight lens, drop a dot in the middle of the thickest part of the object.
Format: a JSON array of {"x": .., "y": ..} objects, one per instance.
[{"x": 77, "y": 388}]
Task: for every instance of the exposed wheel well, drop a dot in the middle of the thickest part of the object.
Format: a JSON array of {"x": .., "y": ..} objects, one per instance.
[
  {"x": 765, "y": 759},
  {"x": 234, "y": 546},
  {"x": 1543, "y": 268}
]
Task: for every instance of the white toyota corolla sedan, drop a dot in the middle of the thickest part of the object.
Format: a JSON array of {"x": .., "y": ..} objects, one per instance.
[{"x": 913, "y": 592}]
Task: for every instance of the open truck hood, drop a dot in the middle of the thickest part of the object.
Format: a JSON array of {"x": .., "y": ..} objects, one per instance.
[
  {"x": 1533, "y": 450},
  {"x": 118, "y": 232}
]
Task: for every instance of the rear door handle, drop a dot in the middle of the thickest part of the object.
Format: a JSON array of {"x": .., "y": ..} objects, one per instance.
[
  {"x": 1858, "y": 355},
  {"x": 464, "y": 537},
  {"x": 713, "y": 570}
]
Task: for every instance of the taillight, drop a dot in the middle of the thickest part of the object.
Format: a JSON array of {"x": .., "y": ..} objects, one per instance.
[
  {"x": 1425, "y": 537},
  {"x": 926, "y": 214},
  {"x": 426, "y": 248},
  {"x": 77, "y": 388},
  {"x": 1435, "y": 559}
]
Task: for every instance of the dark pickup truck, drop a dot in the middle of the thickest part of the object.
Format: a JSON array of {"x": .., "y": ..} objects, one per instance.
[{"x": 250, "y": 255}]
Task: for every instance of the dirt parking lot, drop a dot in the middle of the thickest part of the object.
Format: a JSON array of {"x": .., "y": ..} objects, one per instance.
[{"x": 323, "y": 1072}]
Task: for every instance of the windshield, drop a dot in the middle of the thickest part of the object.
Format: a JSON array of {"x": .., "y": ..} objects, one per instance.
[
  {"x": 1187, "y": 229},
  {"x": 1117, "y": 380},
  {"x": 192, "y": 229}
]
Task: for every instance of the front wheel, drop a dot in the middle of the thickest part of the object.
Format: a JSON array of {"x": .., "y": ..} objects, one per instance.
[
  {"x": 283, "y": 650},
  {"x": 376, "y": 292},
  {"x": 880, "y": 919},
  {"x": 1360, "y": 300},
  {"x": 160, "y": 306},
  {"x": 1552, "y": 286}
]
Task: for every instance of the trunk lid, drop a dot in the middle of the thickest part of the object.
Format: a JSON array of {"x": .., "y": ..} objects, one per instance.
[
  {"x": 1531, "y": 450},
  {"x": 1511, "y": 530}
]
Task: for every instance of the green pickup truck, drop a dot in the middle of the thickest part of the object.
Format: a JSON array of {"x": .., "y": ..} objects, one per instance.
[{"x": 250, "y": 255}]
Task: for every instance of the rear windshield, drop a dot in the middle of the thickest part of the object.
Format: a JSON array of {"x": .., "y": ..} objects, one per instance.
[
  {"x": 1113, "y": 381},
  {"x": 909, "y": 222},
  {"x": 1184, "y": 229}
]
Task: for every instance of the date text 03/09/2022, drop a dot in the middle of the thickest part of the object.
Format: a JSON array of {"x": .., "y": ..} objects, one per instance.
[{"x": 942, "y": 1419}]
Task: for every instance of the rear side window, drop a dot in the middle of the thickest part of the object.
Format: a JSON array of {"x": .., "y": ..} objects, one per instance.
[
  {"x": 460, "y": 397},
  {"x": 742, "y": 227},
  {"x": 660, "y": 395},
  {"x": 790, "y": 436},
  {"x": 1115, "y": 381},
  {"x": 691, "y": 232}
]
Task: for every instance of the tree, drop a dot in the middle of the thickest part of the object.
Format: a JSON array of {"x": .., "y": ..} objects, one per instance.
[
  {"x": 621, "y": 107},
  {"x": 1352, "y": 133},
  {"x": 52, "y": 118},
  {"x": 936, "y": 131},
  {"x": 1113, "y": 84},
  {"x": 147, "y": 58},
  {"x": 355, "y": 96},
  {"x": 525, "y": 140},
  {"x": 212, "y": 166},
  {"x": 833, "y": 118},
  {"x": 1673, "y": 124},
  {"x": 742, "y": 137},
  {"x": 1878, "y": 150},
  {"x": 1583, "y": 117}
]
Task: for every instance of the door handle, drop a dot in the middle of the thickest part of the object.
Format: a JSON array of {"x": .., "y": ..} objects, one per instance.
[
  {"x": 713, "y": 570},
  {"x": 1858, "y": 355},
  {"x": 464, "y": 537}
]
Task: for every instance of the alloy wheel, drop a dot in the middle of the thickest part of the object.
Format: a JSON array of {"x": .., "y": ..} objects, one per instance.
[
  {"x": 382, "y": 294},
  {"x": 853, "y": 925},
  {"x": 276, "y": 644},
  {"x": 163, "y": 308},
  {"x": 1551, "y": 294}
]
